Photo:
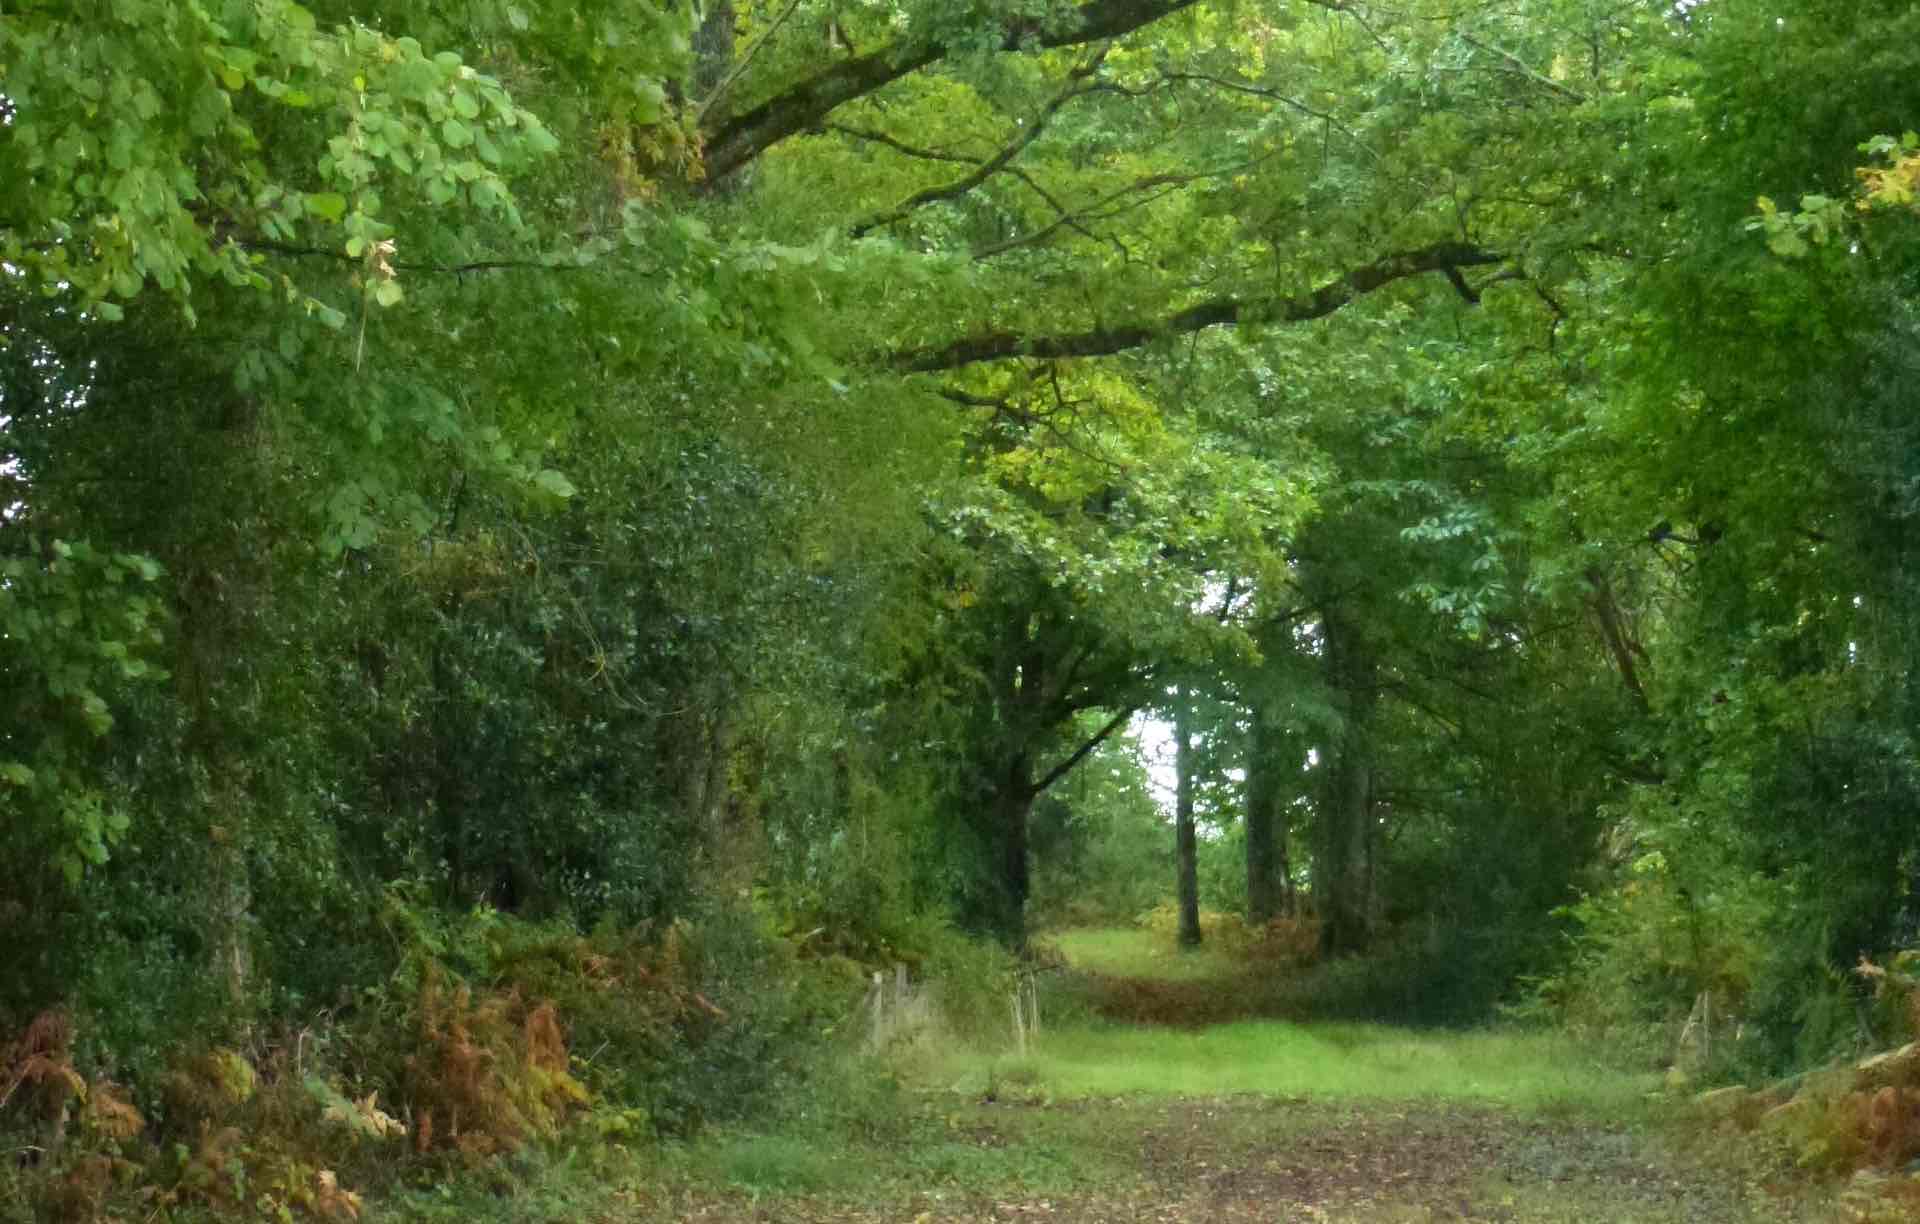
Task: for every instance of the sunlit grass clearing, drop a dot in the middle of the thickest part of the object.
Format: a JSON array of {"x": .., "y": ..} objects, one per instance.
[
  {"x": 1325, "y": 1061},
  {"x": 1136, "y": 953}
]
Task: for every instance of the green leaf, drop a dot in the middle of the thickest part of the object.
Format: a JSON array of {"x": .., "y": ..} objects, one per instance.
[
  {"x": 327, "y": 205},
  {"x": 551, "y": 481},
  {"x": 456, "y": 134},
  {"x": 387, "y": 293},
  {"x": 542, "y": 141},
  {"x": 1787, "y": 244}
]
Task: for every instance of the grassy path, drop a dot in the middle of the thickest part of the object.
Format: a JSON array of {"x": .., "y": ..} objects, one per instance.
[{"x": 1247, "y": 1119}]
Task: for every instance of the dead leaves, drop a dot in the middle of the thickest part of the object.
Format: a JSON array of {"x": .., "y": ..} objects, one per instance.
[
  {"x": 363, "y": 1118},
  {"x": 40, "y": 1060}
]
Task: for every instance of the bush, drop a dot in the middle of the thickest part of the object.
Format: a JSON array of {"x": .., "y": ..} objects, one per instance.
[
  {"x": 972, "y": 980},
  {"x": 1640, "y": 956},
  {"x": 492, "y": 1036}
]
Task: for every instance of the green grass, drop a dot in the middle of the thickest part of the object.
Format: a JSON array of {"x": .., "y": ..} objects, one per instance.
[
  {"x": 1331, "y": 1061},
  {"x": 1133, "y": 952},
  {"x": 779, "y": 1164},
  {"x": 1087, "y": 1056},
  {"x": 940, "y": 1141}
]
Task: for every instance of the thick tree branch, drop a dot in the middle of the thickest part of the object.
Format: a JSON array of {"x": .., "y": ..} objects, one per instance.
[
  {"x": 743, "y": 137},
  {"x": 1614, "y": 634},
  {"x": 1221, "y": 312}
]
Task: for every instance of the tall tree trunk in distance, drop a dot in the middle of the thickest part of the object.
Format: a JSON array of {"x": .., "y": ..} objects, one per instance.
[
  {"x": 1266, "y": 831},
  {"x": 1344, "y": 882},
  {"x": 449, "y": 785},
  {"x": 1027, "y": 743},
  {"x": 1183, "y": 834}
]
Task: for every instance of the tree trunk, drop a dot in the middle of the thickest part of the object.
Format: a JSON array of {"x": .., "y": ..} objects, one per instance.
[
  {"x": 1345, "y": 879},
  {"x": 1016, "y": 813},
  {"x": 211, "y": 592},
  {"x": 449, "y": 799},
  {"x": 1266, "y": 829},
  {"x": 1185, "y": 843},
  {"x": 713, "y": 47},
  {"x": 1007, "y": 811}
]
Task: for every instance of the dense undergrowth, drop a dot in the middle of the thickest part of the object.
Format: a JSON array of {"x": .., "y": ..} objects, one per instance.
[{"x": 494, "y": 1046}]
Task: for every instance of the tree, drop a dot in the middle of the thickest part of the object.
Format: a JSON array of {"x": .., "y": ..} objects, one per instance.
[{"x": 1185, "y": 849}]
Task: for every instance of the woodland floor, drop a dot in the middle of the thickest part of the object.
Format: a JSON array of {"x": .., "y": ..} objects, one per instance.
[{"x": 1385, "y": 1125}]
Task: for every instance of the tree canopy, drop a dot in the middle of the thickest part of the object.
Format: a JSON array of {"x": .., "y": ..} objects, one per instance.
[{"x": 601, "y": 460}]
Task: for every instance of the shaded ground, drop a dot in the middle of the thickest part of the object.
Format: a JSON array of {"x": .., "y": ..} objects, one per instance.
[{"x": 1140, "y": 1000}]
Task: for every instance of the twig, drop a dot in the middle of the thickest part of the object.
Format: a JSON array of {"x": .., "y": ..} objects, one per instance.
[
  {"x": 1520, "y": 66},
  {"x": 893, "y": 142},
  {"x": 478, "y": 265},
  {"x": 1094, "y": 210},
  {"x": 989, "y": 167},
  {"x": 1274, "y": 95}
]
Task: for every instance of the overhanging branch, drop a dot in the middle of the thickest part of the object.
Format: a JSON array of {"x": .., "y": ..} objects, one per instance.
[
  {"x": 1220, "y": 312},
  {"x": 1080, "y": 754}
]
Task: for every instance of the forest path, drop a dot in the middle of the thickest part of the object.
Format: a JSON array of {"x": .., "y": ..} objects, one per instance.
[
  {"x": 1265, "y": 1159},
  {"x": 1133, "y": 1107}
]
